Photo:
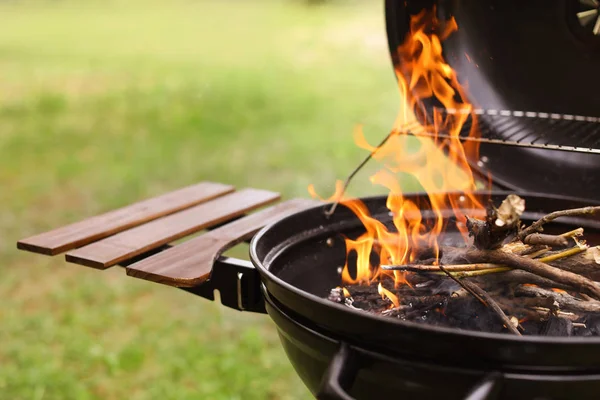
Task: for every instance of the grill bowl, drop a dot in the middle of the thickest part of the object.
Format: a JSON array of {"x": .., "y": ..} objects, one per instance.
[{"x": 298, "y": 268}]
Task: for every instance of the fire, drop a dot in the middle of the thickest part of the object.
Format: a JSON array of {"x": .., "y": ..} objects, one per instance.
[
  {"x": 346, "y": 293},
  {"x": 423, "y": 76},
  {"x": 389, "y": 295}
]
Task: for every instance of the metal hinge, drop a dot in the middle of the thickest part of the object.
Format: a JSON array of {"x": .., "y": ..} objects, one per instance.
[{"x": 237, "y": 282}]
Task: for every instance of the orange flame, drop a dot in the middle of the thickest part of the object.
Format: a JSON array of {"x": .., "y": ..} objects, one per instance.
[
  {"x": 423, "y": 76},
  {"x": 387, "y": 294},
  {"x": 346, "y": 293}
]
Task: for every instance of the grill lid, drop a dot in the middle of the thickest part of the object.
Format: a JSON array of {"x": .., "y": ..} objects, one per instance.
[{"x": 533, "y": 72}]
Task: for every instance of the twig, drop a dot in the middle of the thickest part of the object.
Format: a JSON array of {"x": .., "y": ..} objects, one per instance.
[
  {"x": 537, "y": 226},
  {"x": 545, "y": 312},
  {"x": 499, "y": 223},
  {"x": 478, "y": 269},
  {"x": 567, "y": 253},
  {"x": 485, "y": 299},
  {"x": 536, "y": 253},
  {"x": 536, "y": 267},
  {"x": 330, "y": 212},
  {"x": 436, "y": 268},
  {"x": 496, "y": 308},
  {"x": 585, "y": 263},
  {"x": 565, "y": 300},
  {"x": 487, "y": 271},
  {"x": 465, "y": 285},
  {"x": 548, "y": 240},
  {"x": 533, "y": 266},
  {"x": 517, "y": 276},
  {"x": 573, "y": 233}
]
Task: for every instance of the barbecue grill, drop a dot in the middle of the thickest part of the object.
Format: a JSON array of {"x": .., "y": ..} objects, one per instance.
[{"x": 527, "y": 82}]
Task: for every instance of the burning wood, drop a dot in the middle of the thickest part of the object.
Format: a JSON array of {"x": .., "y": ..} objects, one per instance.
[
  {"x": 509, "y": 272},
  {"x": 500, "y": 223}
]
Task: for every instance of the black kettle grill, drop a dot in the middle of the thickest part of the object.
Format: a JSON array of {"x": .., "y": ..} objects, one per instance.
[{"x": 534, "y": 76}]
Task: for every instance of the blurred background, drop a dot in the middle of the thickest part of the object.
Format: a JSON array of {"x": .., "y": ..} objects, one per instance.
[{"x": 103, "y": 103}]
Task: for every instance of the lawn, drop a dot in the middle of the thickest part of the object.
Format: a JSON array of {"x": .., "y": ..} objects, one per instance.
[{"x": 103, "y": 103}]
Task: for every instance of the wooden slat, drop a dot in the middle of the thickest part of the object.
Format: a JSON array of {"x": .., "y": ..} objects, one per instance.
[
  {"x": 190, "y": 263},
  {"x": 98, "y": 227},
  {"x": 125, "y": 245}
]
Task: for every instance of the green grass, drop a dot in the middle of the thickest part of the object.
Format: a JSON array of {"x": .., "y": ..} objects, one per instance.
[{"x": 107, "y": 103}]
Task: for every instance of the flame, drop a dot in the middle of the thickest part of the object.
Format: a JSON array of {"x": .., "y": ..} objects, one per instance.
[
  {"x": 557, "y": 290},
  {"x": 346, "y": 293},
  {"x": 387, "y": 294},
  {"x": 423, "y": 76}
]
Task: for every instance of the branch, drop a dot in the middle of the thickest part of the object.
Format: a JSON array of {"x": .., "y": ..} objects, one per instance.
[
  {"x": 485, "y": 299},
  {"x": 574, "y": 212},
  {"x": 586, "y": 263},
  {"x": 329, "y": 213},
  {"x": 517, "y": 276},
  {"x": 499, "y": 223},
  {"x": 536, "y": 267},
  {"x": 565, "y": 300},
  {"x": 436, "y": 268},
  {"x": 548, "y": 240},
  {"x": 580, "y": 260}
]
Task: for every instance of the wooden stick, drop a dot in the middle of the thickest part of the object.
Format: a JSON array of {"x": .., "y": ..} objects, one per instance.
[
  {"x": 464, "y": 286},
  {"x": 485, "y": 299},
  {"x": 586, "y": 263},
  {"x": 583, "y": 263},
  {"x": 574, "y": 212},
  {"x": 478, "y": 269},
  {"x": 565, "y": 300},
  {"x": 515, "y": 277},
  {"x": 563, "y": 254},
  {"x": 487, "y": 271},
  {"x": 436, "y": 268},
  {"x": 329, "y": 213},
  {"x": 573, "y": 233},
  {"x": 548, "y": 240},
  {"x": 536, "y": 253},
  {"x": 545, "y": 312},
  {"x": 536, "y": 267}
]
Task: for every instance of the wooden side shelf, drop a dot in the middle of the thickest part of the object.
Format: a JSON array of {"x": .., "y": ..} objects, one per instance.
[
  {"x": 134, "y": 234},
  {"x": 189, "y": 264},
  {"x": 89, "y": 230}
]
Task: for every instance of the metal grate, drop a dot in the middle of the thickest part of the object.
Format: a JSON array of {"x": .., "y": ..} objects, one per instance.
[{"x": 534, "y": 130}]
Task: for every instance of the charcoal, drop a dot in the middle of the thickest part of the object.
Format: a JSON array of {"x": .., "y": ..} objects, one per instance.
[
  {"x": 465, "y": 313},
  {"x": 589, "y": 326},
  {"x": 557, "y": 326},
  {"x": 530, "y": 327},
  {"x": 592, "y": 323},
  {"x": 582, "y": 333},
  {"x": 441, "y": 302}
]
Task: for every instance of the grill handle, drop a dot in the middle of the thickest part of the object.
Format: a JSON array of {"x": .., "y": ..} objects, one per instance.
[
  {"x": 340, "y": 375},
  {"x": 345, "y": 365}
]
